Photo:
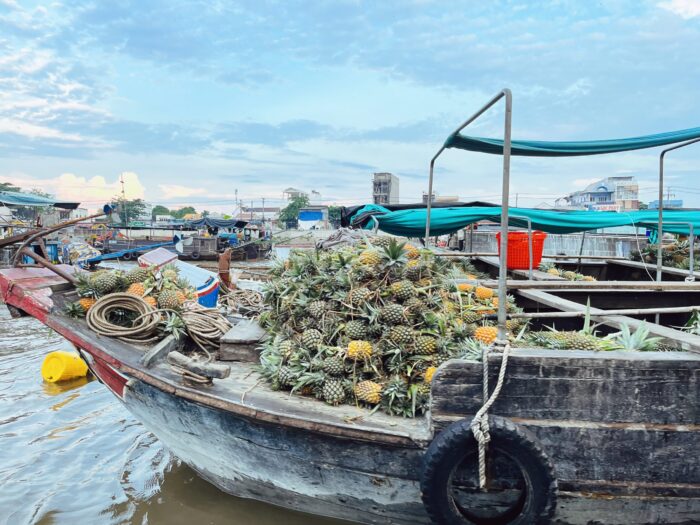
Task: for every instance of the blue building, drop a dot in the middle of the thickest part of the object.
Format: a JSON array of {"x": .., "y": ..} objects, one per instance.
[{"x": 671, "y": 203}]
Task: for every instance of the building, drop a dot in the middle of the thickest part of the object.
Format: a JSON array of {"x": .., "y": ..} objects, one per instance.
[
  {"x": 79, "y": 213},
  {"x": 610, "y": 194},
  {"x": 313, "y": 218},
  {"x": 671, "y": 203},
  {"x": 440, "y": 198},
  {"x": 385, "y": 188},
  {"x": 293, "y": 193}
]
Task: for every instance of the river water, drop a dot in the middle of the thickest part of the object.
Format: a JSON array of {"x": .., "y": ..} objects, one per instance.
[{"x": 72, "y": 454}]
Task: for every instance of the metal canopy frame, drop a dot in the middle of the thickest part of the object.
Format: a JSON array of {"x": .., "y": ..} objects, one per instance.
[
  {"x": 660, "y": 228},
  {"x": 502, "y": 271}
]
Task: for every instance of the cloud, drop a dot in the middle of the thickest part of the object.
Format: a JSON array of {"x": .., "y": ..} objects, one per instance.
[
  {"x": 174, "y": 191},
  {"x": 684, "y": 8}
]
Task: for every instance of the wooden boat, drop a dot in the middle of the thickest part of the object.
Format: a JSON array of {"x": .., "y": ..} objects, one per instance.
[{"x": 608, "y": 438}]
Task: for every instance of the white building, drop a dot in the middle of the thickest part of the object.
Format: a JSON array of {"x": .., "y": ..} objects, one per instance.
[
  {"x": 610, "y": 194},
  {"x": 385, "y": 188}
]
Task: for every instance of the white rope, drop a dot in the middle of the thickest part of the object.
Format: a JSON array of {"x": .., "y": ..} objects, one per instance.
[{"x": 480, "y": 423}]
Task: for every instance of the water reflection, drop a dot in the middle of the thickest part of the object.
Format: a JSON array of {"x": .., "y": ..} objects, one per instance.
[{"x": 70, "y": 453}]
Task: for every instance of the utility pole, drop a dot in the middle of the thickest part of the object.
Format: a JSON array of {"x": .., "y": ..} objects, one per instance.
[
  {"x": 263, "y": 212},
  {"x": 516, "y": 199},
  {"x": 126, "y": 209},
  {"x": 251, "y": 210}
]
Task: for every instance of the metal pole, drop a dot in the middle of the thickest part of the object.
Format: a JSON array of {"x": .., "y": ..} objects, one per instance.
[
  {"x": 505, "y": 93},
  {"x": 503, "y": 271},
  {"x": 48, "y": 264},
  {"x": 660, "y": 229},
  {"x": 580, "y": 251},
  {"x": 691, "y": 276}
]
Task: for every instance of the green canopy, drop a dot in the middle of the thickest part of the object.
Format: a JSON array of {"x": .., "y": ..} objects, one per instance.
[
  {"x": 536, "y": 148},
  {"x": 411, "y": 223}
]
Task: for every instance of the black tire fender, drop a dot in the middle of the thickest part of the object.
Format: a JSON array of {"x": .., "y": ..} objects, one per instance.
[
  {"x": 449, "y": 448},
  {"x": 195, "y": 256},
  {"x": 127, "y": 256}
]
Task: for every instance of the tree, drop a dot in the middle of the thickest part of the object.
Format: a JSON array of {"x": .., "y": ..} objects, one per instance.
[
  {"x": 179, "y": 214},
  {"x": 334, "y": 215},
  {"x": 291, "y": 211},
  {"x": 129, "y": 210},
  {"x": 6, "y": 186},
  {"x": 159, "y": 210},
  {"x": 206, "y": 213},
  {"x": 40, "y": 193}
]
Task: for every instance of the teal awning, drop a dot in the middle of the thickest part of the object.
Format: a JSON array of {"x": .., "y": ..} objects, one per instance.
[
  {"x": 14, "y": 198},
  {"x": 536, "y": 148},
  {"x": 411, "y": 223}
]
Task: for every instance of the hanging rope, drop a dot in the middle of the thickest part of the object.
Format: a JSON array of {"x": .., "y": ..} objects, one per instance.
[{"x": 480, "y": 423}]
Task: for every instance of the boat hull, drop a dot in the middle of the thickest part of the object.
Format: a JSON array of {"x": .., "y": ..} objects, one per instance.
[{"x": 312, "y": 473}]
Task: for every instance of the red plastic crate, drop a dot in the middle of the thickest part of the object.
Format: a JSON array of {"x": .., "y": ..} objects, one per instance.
[{"x": 518, "y": 253}]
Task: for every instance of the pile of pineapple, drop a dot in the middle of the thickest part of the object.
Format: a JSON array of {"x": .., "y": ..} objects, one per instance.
[
  {"x": 160, "y": 288},
  {"x": 674, "y": 255},
  {"x": 551, "y": 269},
  {"x": 370, "y": 324}
]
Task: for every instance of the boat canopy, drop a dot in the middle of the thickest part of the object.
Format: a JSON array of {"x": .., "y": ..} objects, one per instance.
[
  {"x": 14, "y": 198},
  {"x": 411, "y": 223},
  {"x": 210, "y": 222},
  {"x": 536, "y": 148}
]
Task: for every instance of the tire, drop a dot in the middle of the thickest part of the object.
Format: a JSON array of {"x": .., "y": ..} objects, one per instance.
[
  {"x": 127, "y": 256},
  {"x": 512, "y": 451},
  {"x": 195, "y": 256}
]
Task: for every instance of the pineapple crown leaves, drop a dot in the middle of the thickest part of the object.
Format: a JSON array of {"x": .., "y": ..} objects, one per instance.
[
  {"x": 639, "y": 340},
  {"x": 393, "y": 254}
]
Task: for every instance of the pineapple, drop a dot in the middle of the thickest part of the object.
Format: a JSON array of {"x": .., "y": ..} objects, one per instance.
[
  {"x": 170, "y": 274},
  {"x": 317, "y": 308},
  {"x": 359, "y": 296},
  {"x": 429, "y": 373},
  {"x": 333, "y": 391},
  {"x": 424, "y": 282},
  {"x": 84, "y": 286},
  {"x": 151, "y": 301},
  {"x": 571, "y": 276},
  {"x": 137, "y": 275},
  {"x": 426, "y": 344},
  {"x": 588, "y": 278},
  {"x": 486, "y": 334},
  {"x": 381, "y": 241},
  {"x": 401, "y": 335},
  {"x": 86, "y": 303},
  {"x": 483, "y": 293},
  {"x": 411, "y": 251},
  {"x": 369, "y": 257},
  {"x": 286, "y": 376},
  {"x": 413, "y": 270},
  {"x": 334, "y": 365},
  {"x": 465, "y": 287},
  {"x": 311, "y": 338},
  {"x": 105, "y": 282},
  {"x": 356, "y": 330},
  {"x": 358, "y": 350},
  {"x": 369, "y": 392},
  {"x": 403, "y": 290},
  {"x": 169, "y": 300},
  {"x": 553, "y": 271},
  {"x": 75, "y": 310},
  {"x": 137, "y": 289},
  {"x": 471, "y": 317},
  {"x": 392, "y": 314}
]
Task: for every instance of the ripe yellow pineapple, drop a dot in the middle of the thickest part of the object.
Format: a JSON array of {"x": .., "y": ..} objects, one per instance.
[
  {"x": 369, "y": 257},
  {"x": 86, "y": 303},
  {"x": 359, "y": 350},
  {"x": 151, "y": 301},
  {"x": 411, "y": 251},
  {"x": 465, "y": 287},
  {"x": 137, "y": 289},
  {"x": 369, "y": 392},
  {"x": 553, "y": 271},
  {"x": 482, "y": 292},
  {"x": 429, "y": 373},
  {"x": 494, "y": 302},
  {"x": 486, "y": 334},
  {"x": 181, "y": 297}
]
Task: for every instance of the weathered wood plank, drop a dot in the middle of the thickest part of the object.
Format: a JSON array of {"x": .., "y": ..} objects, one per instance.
[
  {"x": 212, "y": 370},
  {"x": 160, "y": 351}
]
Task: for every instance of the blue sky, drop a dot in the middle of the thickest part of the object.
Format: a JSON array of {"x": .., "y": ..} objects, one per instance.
[{"x": 192, "y": 101}]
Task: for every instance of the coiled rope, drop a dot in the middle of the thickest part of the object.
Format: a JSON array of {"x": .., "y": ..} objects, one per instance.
[
  {"x": 245, "y": 302},
  {"x": 143, "y": 329},
  {"x": 480, "y": 424},
  {"x": 205, "y": 326}
]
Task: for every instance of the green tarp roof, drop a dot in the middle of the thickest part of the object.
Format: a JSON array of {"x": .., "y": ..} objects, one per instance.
[
  {"x": 14, "y": 198},
  {"x": 411, "y": 223},
  {"x": 536, "y": 148}
]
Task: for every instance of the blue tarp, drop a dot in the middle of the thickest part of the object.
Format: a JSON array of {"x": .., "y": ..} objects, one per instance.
[
  {"x": 310, "y": 215},
  {"x": 411, "y": 223},
  {"x": 14, "y": 198},
  {"x": 537, "y": 148}
]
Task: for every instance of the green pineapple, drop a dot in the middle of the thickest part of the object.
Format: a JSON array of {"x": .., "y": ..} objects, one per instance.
[
  {"x": 137, "y": 275},
  {"x": 401, "y": 335},
  {"x": 403, "y": 290},
  {"x": 392, "y": 314},
  {"x": 311, "y": 339},
  {"x": 75, "y": 310},
  {"x": 333, "y": 391},
  {"x": 334, "y": 365},
  {"x": 356, "y": 330},
  {"x": 471, "y": 317},
  {"x": 426, "y": 344},
  {"x": 358, "y": 296},
  {"x": 169, "y": 299},
  {"x": 85, "y": 286},
  {"x": 286, "y": 376},
  {"x": 105, "y": 282},
  {"x": 317, "y": 308},
  {"x": 381, "y": 241}
]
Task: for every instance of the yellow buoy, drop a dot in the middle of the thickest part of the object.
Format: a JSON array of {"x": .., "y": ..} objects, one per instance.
[{"x": 62, "y": 366}]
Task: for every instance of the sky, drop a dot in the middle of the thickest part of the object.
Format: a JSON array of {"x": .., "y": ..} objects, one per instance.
[{"x": 195, "y": 103}]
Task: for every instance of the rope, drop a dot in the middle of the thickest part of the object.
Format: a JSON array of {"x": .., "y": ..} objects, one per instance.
[
  {"x": 246, "y": 302},
  {"x": 480, "y": 423},
  {"x": 205, "y": 326},
  {"x": 143, "y": 329}
]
